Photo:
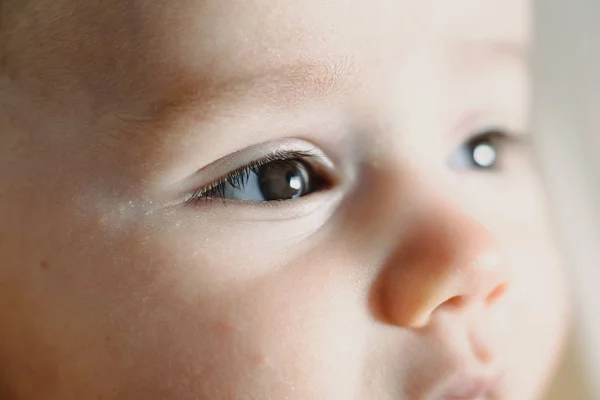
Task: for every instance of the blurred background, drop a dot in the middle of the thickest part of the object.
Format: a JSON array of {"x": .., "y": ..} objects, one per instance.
[{"x": 566, "y": 117}]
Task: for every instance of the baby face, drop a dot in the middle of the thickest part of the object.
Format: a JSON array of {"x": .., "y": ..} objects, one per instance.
[{"x": 271, "y": 199}]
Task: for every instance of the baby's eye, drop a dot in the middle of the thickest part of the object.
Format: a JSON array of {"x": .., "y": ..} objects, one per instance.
[
  {"x": 274, "y": 180},
  {"x": 481, "y": 152}
]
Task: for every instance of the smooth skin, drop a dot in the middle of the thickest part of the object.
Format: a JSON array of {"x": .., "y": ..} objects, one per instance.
[{"x": 412, "y": 274}]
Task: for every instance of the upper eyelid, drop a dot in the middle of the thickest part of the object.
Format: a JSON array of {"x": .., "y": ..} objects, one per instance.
[
  {"x": 505, "y": 136},
  {"x": 236, "y": 159}
]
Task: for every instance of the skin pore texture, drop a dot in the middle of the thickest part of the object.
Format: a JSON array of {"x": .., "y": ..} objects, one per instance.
[{"x": 412, "y": 274}]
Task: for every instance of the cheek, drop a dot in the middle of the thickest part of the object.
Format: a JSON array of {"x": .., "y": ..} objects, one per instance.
[
  {"x": 537, "y": 309},
  {"x": 538, "y": 324},
  {"x": 167, "y": 325},
  {"x": 532, "y": 320},
  {"x": 286, "y": 334}
]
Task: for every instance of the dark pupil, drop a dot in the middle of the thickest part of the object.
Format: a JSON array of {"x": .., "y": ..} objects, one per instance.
[{"x": 282, "y": 180}]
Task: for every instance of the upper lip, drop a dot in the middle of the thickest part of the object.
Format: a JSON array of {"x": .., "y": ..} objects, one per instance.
[{"x": 471, "y": 387}]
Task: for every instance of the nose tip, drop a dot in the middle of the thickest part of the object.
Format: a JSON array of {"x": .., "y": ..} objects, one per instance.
[{"x": 445, "y": 260}]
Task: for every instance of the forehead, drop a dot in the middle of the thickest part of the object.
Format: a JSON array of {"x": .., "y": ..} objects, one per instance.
[
  {"x": 315, "y": 47},
  {"x": 231, "y": 35},
  {"x": 252, "y": 37},
  {"x": 175, "y": 55}
]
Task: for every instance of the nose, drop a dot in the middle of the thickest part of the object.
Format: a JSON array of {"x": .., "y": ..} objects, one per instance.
[{"x": 444, "y": 259}]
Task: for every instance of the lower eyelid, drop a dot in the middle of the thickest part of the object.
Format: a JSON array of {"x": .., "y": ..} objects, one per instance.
[{"x": 266, "y": 211}]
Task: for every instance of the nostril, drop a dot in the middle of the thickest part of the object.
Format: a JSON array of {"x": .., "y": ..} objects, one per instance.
[
  {"x": 456, "y": 302},
  {"x": 497, "y": 293}
]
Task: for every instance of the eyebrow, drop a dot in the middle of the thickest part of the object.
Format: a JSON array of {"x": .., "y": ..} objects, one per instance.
[
  {"x": 516, "y": 51},
  {"x": 288, "y": 85},
  {"x": 291, "y": 84}
]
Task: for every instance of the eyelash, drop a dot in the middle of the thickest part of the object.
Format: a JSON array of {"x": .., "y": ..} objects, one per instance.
[{"x": 239, "y": 177}]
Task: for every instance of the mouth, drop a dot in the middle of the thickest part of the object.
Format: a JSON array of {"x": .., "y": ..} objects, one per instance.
[{"x": 472, "y": 387}]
